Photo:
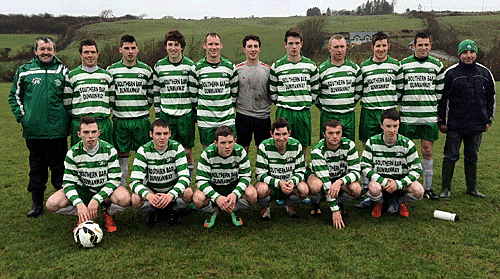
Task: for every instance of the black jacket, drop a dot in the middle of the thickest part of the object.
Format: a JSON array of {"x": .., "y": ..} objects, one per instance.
[{"x": 468, "y": 101}]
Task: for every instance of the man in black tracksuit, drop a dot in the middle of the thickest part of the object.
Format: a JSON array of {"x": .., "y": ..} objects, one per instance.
[{"x": 465, "y": 111}]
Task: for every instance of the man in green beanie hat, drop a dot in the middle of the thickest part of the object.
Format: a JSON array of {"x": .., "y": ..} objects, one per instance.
[{"x": 465, "y": 111}]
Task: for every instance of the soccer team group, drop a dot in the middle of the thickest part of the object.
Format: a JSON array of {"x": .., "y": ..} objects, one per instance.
[{"x": 94, "y": 170}]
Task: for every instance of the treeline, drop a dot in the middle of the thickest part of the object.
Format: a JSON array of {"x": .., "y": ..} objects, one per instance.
[
  {"x": 375, "y": 7},
  {"x": 49, "y": 24},
  {"x": 151, "y": 51}
]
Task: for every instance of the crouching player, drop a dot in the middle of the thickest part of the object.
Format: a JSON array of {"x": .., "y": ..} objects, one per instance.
[
  {"x": 91, "y": 177},
  {"x": 223, "y": 178},
  {"x": 280, "y": 170},
  {"x": 160, "y": 176},
  {"x": 335, "y": 168},
  {"x": 390, "y": 161}
]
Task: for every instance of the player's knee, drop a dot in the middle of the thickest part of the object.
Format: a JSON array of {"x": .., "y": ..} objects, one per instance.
[
  {"x": 137, "y": 201},
  {"x": 314, "y": 184},
  {"x": 121, "y": 197},
  {"x": 374, "y": 188},
  {"x": 187, "y": 196},
  {"x": 417, "y": 190},
  {"x": 302, "y": 189},
  {"x": 355, "y": 189},
  {"x": 250, "y": 195},
  {"x": 262, "y": 189},
  {"x": 199, "y": 199}
]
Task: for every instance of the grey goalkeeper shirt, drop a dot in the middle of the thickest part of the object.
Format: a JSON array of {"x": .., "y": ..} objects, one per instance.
[{"x": 253, "y": 90}]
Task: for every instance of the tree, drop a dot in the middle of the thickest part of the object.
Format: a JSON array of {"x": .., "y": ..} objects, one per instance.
[
  {"x": 328, "y": 12},
  {"x": 313, "y": 12},
  {"x": 314, "y": 35},
  {"x": 105, "y": 14}
]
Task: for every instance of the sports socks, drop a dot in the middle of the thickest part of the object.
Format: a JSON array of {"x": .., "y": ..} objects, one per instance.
[
  {"x": 210, "y": 208},
  {"x": 191, "y": 170},
  {"x": 343, "y": 198},
  {"x": 264, "y": 202},
  {"x": 376, "y": 199},
  {"x": 180, "y": 204},
  {"x": 68, "y": 210},
  {"x": 316, "y": 198},
  {"x": 123, "y": 161},
  {"x": 407, "y": 197},
  {"x": 292, "y": 200},
  {"x": 241, "y": 203},
  {"x": 113, "y": 209},
  {"x": 428, "y": 173}
]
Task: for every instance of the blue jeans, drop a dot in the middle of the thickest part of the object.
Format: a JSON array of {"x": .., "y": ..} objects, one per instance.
[{"x": 452, "y": 147}]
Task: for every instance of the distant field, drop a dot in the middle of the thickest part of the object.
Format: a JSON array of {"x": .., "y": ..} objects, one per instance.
[
  {"x": 232, "y": 31},
  {"x": 482, "y": 28},
  {"x": 17, "y": 41}
]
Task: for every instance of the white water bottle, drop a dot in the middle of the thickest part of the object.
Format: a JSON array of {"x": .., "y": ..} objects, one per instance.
[{"x": 445, "y": 215}]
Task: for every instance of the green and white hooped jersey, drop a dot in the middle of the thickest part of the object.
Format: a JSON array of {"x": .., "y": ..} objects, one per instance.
[
  {"x": 99, "y": 173},
  {"x": 271, "y": 166},
  {"x": 294, "y": 86},
  {"x": 399, "y": 161},
  {"x": 381, "y": 84},
  {"x": 174, "y": 87},
  {"x": 162, "y": 172},
  {"x": 338, "y": 84},
  {"x": 216, "y": 170},
  {"x": 133, "y": 89},
  {"x": 423, "y": 88},
  {"x": 329, "y": 165},
  {"x": 89, "y": 93},
  {"x": 217, "y": 90}
]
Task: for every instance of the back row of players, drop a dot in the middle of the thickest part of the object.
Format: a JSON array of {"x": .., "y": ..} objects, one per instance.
[{"x": 211, "y": 88}]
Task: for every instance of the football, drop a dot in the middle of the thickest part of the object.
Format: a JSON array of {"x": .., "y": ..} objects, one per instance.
[{"x": 88, "y": 234}]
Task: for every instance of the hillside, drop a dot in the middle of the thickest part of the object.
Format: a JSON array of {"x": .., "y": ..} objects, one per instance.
[{"x": 150, "y": 34}]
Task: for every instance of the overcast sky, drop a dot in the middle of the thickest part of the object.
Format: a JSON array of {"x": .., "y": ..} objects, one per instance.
[{"x": 197, "y": 9}]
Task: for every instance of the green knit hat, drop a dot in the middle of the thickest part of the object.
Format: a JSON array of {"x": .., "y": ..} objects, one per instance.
[{"x": 467, "y": 45}]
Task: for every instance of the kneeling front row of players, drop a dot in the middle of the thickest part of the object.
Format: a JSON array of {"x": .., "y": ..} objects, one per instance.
[{"x": 160, "y": 177}]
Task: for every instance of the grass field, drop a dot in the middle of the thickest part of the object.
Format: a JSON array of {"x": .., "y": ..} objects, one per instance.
[
  {"x": 389, "y": 247},
  {"x": 232, "y": 31},
  {"x": 18, "y": 41},
  {"x": 478, "y": 28}
]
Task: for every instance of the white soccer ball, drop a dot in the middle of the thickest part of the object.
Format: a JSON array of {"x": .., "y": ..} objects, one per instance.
[{"x": 88, "y": 234}]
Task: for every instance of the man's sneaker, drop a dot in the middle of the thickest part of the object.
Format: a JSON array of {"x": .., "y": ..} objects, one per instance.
[
  {"x": 365, "y": 204},
  {"x": 110, "y": 222},
  {"x": 152, "y": 218},
  {"x": 265, "y": 214},
  {"x": 292, "y": 211},
  {"x": 210, "y": 222},
  {"x": 279, "y": 202},
  {"x": 403, "y": 210},
  {"x": 236, "y": 220},
  {"x": 316, "y": 211},
  {"x": 430, "y": 195},
  {"x": 393, "y": 204},
  {"x": 445, "y": 193},
  {"x": 377, "y": 210}
]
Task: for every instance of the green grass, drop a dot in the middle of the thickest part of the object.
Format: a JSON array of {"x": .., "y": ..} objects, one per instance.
[
  {"x": 18, "y": 41},
  {"x": 389, "y": 247},
  {"x": 232, "y": 31},
  {"x": 477, "y": 28}
]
